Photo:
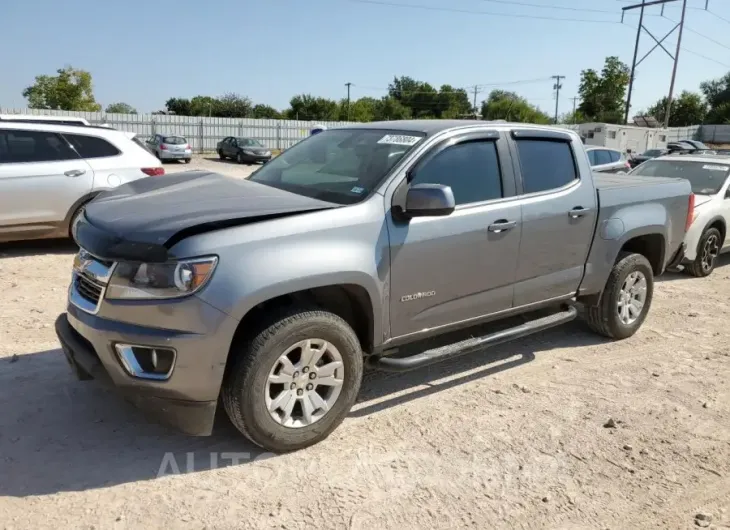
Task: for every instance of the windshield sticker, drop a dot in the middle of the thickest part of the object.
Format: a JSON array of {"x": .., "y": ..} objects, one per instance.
[
  {"x": 399, "y": 139},
  {"x": 357, "y": 189},
  {"x": 715, "y": 168}
]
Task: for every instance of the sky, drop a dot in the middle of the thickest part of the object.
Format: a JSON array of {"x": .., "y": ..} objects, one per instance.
[{"x": 143, "y": 52}]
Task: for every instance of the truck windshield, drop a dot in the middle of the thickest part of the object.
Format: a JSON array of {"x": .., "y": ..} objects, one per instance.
[
  {"x": 705, "y": 177},
  {"x": 339, "y": 165}
]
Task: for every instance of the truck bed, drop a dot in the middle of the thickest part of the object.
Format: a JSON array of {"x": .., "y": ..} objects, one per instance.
[{"x": 622, "y": 190}]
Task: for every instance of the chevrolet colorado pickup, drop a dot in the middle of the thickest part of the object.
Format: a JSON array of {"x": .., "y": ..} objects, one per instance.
[{"x": 391, "y": 245}]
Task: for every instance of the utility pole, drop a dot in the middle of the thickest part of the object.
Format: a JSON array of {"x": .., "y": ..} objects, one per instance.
[
  {"x": 476, "y": 91},
  {"x": 674, "y": 69},
  {"x": 348, "y": 85},
  {"x": 557, "y": 86},
  {"x": 575, "y": 99},
  {"x": 644, "y": 4}
]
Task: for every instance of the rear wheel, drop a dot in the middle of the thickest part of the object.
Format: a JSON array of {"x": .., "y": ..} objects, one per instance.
[
  {"x": 187, "y": 160},
  {"x": 626, "y": 298},
  {"x": 79, "y": 211},
  {"x": 708, "y": 250},
  {"x": 220, "y": 155},
  {"x": 294, "y": 382}
]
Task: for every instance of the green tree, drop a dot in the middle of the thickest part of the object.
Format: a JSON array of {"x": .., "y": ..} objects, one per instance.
[
  {"x": 233, "y": 105},
  {"x": 203, "y": 106},
  {"x": 389, "y": 108},
  {"x": 179, "y": 106},
  {"x": 504, "y": 105},
  {"x": 688, "y": 109},
  {"x": 120, "y": 108},
  {"x": 311, "y": 108},
  {"x": 602, "y": 95},
  {"x": 717, "y": 94},
  {"x": 261, "y": 112},
  {"x": 362, "y": 109},
  {"x": 71, "y": 89}
]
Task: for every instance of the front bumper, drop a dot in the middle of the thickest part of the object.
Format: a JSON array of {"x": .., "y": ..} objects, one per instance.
[
  {"x": 255, "y": 158},
  {"x": 186, "y": 401}
]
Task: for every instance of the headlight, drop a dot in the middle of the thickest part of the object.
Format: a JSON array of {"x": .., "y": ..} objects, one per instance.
[{"x": 135, "y": 281}]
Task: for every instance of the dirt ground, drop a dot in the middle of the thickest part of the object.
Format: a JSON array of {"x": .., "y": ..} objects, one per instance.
[
  {"x": 211, "y": 162},
  {"x": 514, "y": 437}
]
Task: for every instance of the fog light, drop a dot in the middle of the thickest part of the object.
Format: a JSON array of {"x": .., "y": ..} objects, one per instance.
[{"x": 146, "y": 362}]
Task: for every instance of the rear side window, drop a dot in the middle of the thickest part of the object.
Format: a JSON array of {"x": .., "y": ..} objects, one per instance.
[
  {"x": 174, "y": 140},
  {"x": 592, "y": 157},
  {"x": 603, "y": 157},
  {"x": 615, "y": 156},
  {"x": 471, "y": 169},
  {"x": 18, "y": 146},
  {"x": 91, "y": 146},
  {"x": 546, "y": 164}
]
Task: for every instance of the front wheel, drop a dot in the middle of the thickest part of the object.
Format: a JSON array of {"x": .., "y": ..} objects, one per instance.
[
  {"x": 220, "y": 155},
  {"x": 239, "y": 158},
  {"x": 294, "y": 382},
  {"x": 708, "y": 250},
  {"x": 626, "y": 298}
]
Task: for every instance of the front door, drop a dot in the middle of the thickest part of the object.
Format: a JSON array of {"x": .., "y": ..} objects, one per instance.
[
  {"x": 457, "y": 268},
  {"x": 41, "y": 178},
  {"x": 558, "y": 216}
]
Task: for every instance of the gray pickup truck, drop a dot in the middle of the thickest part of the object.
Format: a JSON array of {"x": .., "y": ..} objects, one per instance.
[{"x": 391, "y": 245}]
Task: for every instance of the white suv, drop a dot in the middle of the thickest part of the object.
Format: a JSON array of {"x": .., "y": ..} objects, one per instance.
[{"x": 48, "y": 172}]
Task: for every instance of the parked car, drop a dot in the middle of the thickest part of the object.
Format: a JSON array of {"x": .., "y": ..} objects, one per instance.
[
  {"x": 723, "y": 152},
  {"x": 697, "y": 144},
  {"x": 681, "y": 147},
  {"x": 243, "y": 150},
  {"x": 170, "y": 147},
  {"x": 49, "y": 172},
  {"x": 635, "y": 160},
  {"x": 708, "y": 175},
  {"x": 273, "y": 291},
  {"x": 605, "y": 160}
]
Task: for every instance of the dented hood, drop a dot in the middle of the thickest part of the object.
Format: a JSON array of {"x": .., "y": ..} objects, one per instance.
[{"x": 142, "y": 219}]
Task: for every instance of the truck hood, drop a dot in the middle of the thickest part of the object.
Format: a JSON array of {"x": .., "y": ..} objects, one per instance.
[{"x": 141, "y": 220}]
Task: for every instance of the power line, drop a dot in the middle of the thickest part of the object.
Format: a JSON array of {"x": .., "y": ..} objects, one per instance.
[
  {"x": 473, "y": 12},
  {"x": 716, "y": 15},
  {"x": 542, "y": 6}
]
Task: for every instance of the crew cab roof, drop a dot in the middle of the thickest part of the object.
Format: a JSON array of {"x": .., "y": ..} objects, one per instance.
[{"x": 432, "y": 127}]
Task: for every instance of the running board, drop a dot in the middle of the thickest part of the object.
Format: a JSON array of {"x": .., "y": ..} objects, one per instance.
[{"x": 413, "y": 362}]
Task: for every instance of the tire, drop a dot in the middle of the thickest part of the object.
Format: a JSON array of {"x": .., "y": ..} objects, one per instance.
[
  {"x": 707, "y": 254},
  {"x": 248, "y": 396},
  {"x": 220, "y": 155},
  {"x": 187, "y": 160},
  {"x": 239, "y": 158},
  {"x": 78, "y": 212},
  {"x": 604, "y": 318}
]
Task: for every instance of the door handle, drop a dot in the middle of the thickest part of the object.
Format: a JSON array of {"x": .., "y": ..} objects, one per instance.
[
  {"x": 578, "y": 212},
  {"x": 501, "y": 226},
  {"x": 74, "y": 172}
]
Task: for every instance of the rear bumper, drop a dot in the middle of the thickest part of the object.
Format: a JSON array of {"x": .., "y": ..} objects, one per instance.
[
  {"x": 190, "y": 417},
  {"x": 168, "y": 155}
]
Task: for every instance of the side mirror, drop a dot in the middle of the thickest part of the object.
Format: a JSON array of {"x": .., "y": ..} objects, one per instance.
[
  {"x": 628, "y": 151},
  {"x": 429, "y": 200},
  {"x": 727, "y": 194}
]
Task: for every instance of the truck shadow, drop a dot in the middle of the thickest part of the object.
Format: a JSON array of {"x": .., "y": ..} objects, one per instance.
[
  {"x": 37, "y": 247},
  {"x": 380, "y": 390},
  {"x": 722, "y": 263},
  {"x": 58, "y": 434}
]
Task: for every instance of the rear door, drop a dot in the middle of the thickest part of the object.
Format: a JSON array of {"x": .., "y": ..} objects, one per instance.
[
  {"x": 41, "y": 178},
  {"x": 461, "y": 267},
  {"x": 602, "y": 160},
  {"x": 559, "y": 210}
]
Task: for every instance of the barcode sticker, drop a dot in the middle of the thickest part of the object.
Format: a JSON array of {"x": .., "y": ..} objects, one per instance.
[
  {"x": 711, "y": 167},
  {"x": 399, "y": 139}
]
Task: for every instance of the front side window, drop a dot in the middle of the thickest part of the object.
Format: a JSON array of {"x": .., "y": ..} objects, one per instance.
[
  {"x": 603, "y": 157},
  {"x": 592, "y": 157},
  {"x": 471, "y": 169},
  {"x": 546, "y": 164},
  {"x": 91, "y": 146},
  {"x": 18, "y": 146},
  {"x": 615, "y": 156},
  {"x": 706, "y": 178},
  {"x": 339, "y": 165}
]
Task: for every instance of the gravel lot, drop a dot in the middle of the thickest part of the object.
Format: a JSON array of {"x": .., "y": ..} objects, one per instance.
[
  {"x": 211, "y": 162},
  {"x": 513, "y": 437}
]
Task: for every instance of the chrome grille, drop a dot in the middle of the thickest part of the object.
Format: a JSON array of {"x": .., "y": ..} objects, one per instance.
[
  {"x": 88, "y": 289},
  {"x": 89, "y": 281}
]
